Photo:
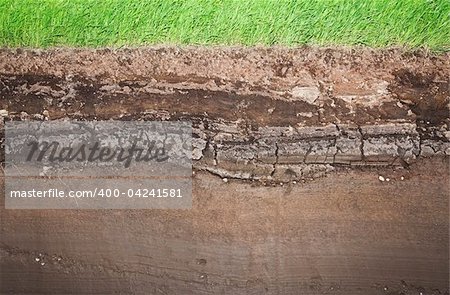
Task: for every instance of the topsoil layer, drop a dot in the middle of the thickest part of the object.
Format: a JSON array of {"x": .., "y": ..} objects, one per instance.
[{"x": 301, "y": 138}]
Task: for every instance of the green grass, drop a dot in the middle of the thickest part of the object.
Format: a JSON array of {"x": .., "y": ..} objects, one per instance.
[{"x": 96, "y": 23}]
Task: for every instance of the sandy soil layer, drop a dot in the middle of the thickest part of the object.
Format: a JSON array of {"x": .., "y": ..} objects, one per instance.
[{"x": 301, "y": 137}]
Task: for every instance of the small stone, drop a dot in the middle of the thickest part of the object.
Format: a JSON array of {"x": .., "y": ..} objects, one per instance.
[
  {"x": 306, "y": 93},
  {"x": 39, "y": 117},
  {"x": 37, "y": 259},
  {"x": 45, "y": 113},
  {"x": 381, "y": 178},
  {"x": 126, "y": 89},
  {"x": 3, "y": 113},
  {"x": 24, "y": 116},
  {"x": 44, "y": 172},
  {"x": 270, "y": 111},
  {"x": 305, "y": 114},
  {"x": 402, "y": 178},
  {"x": 225, "y": 180},
  {"x": 201, "y": 261},
  {"x": 42, "y": 263},
  {"x": 388, "y": 179}
]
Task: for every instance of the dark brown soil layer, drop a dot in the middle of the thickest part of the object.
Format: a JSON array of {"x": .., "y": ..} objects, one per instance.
[{"x": 298, "y": 138}]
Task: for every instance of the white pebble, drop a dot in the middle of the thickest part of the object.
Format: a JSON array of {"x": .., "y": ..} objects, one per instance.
[
  {"x": 225, "y": 180},
  {"x": 388, "y": 179},
  {"x": 37, "y": 259},
  {"x": 381, "y": 178},
  {"x": 402, "y": 178}
]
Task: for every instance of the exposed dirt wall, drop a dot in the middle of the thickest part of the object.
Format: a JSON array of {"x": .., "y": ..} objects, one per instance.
[{"x": 316, "y": 171}]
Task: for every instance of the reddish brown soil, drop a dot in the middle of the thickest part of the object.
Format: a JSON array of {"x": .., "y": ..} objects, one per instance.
[{"x": 301, "y": 136}]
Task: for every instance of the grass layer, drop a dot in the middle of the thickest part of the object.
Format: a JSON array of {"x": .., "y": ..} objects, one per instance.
[{"x": 94, "y": 23}]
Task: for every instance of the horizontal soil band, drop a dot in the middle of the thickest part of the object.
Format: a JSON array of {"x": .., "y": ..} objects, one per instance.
[{"x": 269, "y": 114}]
